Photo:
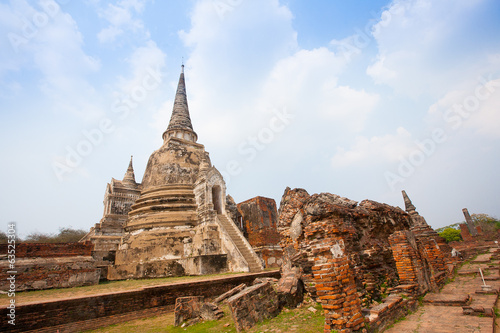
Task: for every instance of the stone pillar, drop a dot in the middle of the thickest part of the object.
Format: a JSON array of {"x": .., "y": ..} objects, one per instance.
[{"x": 470, "y": 223}]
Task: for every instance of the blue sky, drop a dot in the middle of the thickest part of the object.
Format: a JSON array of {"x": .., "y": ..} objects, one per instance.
[{"x": 359, "y": 98}]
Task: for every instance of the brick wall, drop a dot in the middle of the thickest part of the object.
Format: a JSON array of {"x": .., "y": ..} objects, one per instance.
[
  {"x": 408, "y": 261},
  {"x": 336, "y": 289},
  {"x": 464, "y": 231},
  {"x": 254, "y": 304},
  {"x": 98, "y": 309},
  {"x": 420, "y": 258},
  {"x": 50, "y": 265},
  {"x": 50, "y": 250},
  {"x": 260, "y": 218},
  {"x": 46, "y": 273},
  {"x": 364, "y": 227}
]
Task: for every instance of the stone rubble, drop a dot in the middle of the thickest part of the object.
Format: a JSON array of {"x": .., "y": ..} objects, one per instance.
[
  {"x": 254, "y": 304},
  {"x": 230, "y": 293},
  {"x": 190, "y": 310}
]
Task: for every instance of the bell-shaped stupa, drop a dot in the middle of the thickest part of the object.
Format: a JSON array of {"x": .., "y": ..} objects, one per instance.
[{"x": 179, "y": 225}]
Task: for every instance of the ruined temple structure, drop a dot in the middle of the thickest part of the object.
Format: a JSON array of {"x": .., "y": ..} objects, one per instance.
[
  {"x": 106, "y": 235},
  {"x": 179, "y": 225},
  {"x": 352, "y": 256},
  {"x": 432, "y": 258},
  {"x": 258, "y": 219}
]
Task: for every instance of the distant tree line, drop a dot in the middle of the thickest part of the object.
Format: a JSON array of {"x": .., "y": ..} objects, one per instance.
[
  {"x": 488, "y": 224},
  {"x": 65, "y": 235}
]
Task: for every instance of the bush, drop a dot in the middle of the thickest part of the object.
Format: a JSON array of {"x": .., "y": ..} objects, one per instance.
[{"x": 451, "y": 235}]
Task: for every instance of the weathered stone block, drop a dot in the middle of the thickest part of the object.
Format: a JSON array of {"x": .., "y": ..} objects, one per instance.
[
  {"x": 210, "y": 311},
  {"x": 187, "y": 308},
  {"x": 230, "y": 293},
  {"x": 290, "y": 288},
  {"x": 253, "y": 305}
]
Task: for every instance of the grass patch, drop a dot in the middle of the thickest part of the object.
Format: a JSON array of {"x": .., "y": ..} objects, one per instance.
[
  {"x": 294, "y": 320},
  {"x": 400, "y": 319}
]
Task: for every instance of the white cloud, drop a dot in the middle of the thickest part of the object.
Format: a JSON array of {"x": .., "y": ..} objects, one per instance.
[
  {"x": 306, "y": 83},
  {"x": 233, "y": 52},
  {"x": 375, "y": 150},
  {"x": 476, "y": 108},
  {"x": 142, "y": 62},
  {"x": 424, "y": 46},
  {"x": 250, "y": 56},
  {"x": 46, "y": 38},
  {"x": 121, "y": 19}
]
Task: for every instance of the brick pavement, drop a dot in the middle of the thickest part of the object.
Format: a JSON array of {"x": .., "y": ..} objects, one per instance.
[{"x": 433, "y": 318}]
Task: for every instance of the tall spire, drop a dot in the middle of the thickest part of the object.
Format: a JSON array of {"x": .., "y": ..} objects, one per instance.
[
  {"x": 180, "y": 122},
  {"x": 129, "y": 178}
]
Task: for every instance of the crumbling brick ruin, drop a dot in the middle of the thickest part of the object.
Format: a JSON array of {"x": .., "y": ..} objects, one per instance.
[{"x": 351, "y": 254}]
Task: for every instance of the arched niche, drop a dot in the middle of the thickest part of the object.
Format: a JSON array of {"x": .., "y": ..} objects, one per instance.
[{"x": 217, "y": 198}]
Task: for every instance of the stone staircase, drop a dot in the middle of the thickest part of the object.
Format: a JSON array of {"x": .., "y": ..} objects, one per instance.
[{"x": 241, "y": 243}]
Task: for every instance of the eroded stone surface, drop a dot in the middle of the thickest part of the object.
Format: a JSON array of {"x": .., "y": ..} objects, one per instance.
[
  {"x": 230, "y": 293},
  {"x": 106, "y": 235},
  {"x": 186, "y": 309},
  {"x": 210, "y": 311}
]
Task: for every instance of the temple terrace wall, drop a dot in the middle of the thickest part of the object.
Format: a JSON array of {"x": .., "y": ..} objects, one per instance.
[
  {"x": 45, "y": 266},
  {"x": 84, "y": 313}
]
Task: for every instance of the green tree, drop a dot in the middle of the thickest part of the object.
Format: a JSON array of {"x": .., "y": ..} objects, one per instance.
[
  {"x": 69, "y": 235},
  {"x": 485, "y": 221},
  {"x": 3, "y": 237},
  {"x": 38, "y": 237},
  {"x": 451, "y": 235},
  {"x": 65, "y": 235}
]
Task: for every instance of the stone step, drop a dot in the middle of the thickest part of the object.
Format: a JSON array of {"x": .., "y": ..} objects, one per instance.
[
  {"x": 238, "y": 240},
  {"x": 447, "y": 299}
]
